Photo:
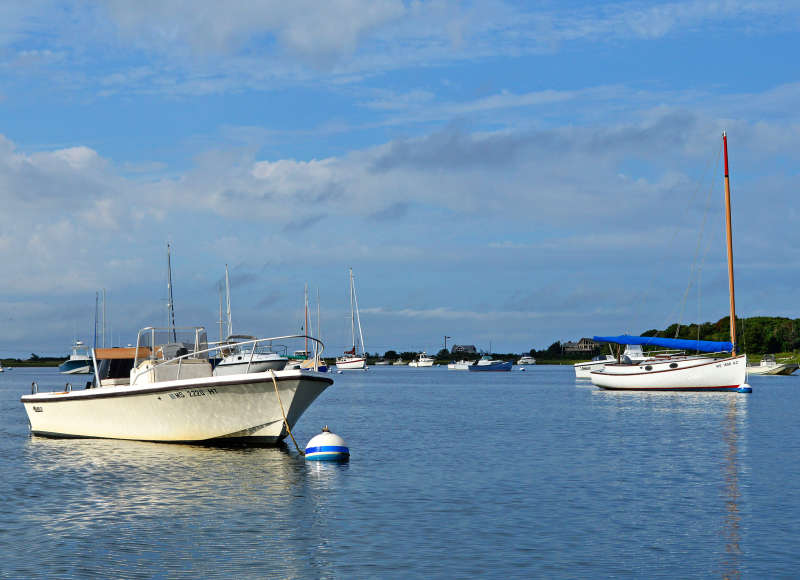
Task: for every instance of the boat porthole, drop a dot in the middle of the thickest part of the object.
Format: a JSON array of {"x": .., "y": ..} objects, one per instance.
[
  {"x": 673, "y": 365},
  {"x": 648, "y": 368}
]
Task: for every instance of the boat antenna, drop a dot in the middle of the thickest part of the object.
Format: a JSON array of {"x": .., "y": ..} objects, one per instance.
[
  {"x": 728, "y": 230},
  {"x": 306, "y": 315},
  {"x": 228, "y": 298},
  {"x": 96, "y": 300},
  {"x": 170, "y": 305}
]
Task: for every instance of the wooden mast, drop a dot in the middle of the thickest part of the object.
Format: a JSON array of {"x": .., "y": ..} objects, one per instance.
[{"x": 730, "y": 244}]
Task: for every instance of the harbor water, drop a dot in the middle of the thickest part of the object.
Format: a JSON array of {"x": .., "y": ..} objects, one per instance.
[{"x": 452, "y": 474}]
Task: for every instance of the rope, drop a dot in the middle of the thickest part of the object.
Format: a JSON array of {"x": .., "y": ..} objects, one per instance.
[{"x": 285, "y": 421}]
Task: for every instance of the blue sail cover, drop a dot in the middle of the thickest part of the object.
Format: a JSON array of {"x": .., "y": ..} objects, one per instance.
[{"x": 679, "y": 343}]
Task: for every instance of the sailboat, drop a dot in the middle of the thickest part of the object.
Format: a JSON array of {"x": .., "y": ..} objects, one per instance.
[
  {"x": 679, "y": 372},
  {"x": 352, "y": 359}
]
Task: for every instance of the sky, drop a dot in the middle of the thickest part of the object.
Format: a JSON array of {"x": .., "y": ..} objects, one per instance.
[{"x": 501, "y": 173}]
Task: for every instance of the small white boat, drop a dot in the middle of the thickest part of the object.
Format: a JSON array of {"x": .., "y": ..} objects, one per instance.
[
  {"x": 461, "y": 365},
  {"x": 526, "y": 360},
  {"x": 769, "y": 366},
  {"x": 164, "y": 390},
  {"x": 382, "y": 363},
  {"x": 633, "y": 355},
  {"x": 78, "y": 362},
  {"x": 422, "y": 360},
  {"x": 399, "y": 362},
  {"x": 244, "y": 355},
  {"x": 353, "y": 359}
]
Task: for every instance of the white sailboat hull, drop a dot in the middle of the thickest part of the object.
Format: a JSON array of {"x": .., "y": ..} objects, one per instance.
[
  {"x": 351, "y": 363},
  {"x": 187, "y": 410},
  {"x": 687, "y": 374}
]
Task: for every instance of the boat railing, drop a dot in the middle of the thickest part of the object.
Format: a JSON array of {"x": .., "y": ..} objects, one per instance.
[{"x": 206, "y": 351}]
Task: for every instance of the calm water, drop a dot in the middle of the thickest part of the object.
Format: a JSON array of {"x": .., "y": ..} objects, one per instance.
[{"x": 521, "y": 474}]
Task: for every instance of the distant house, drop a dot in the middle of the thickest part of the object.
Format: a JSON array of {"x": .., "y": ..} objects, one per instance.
[
  {"x": 463, "y": 349},
  {"x": 583, "y": 345}
]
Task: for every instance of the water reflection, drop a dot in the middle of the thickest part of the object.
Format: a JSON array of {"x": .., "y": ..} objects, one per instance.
[
  {"x": 691, "y": 413},
  {"x": 730, "y": 567},
  {"x": 84, "y": 485}
]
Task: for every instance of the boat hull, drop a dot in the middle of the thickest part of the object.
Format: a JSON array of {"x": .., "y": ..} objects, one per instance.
[
  {"x": 496, "y": 367},
  {"x": 75, "y": 367},
  {"x": 690, "y": 374},
  {"x": 189, "y": 410},
  {"x": 778, "y": 369},
  {"x": 351, "y": 364}
]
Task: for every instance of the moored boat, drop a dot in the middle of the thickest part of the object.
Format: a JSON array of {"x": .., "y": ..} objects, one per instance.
[
  {"x": 243, "y": 354},
  {"x": 461, "y": 365},
  {"x": 353, "y": 359},
  {"x": 164, "y": 390},
  {"x": 684, "y": 373},
  {"x": 526, "y": 360},
  {"x": 422, "y": 360},
  {"x": 769, "y": 366},
  {"x": 486, "y": 363},
  {"x": 79, "y": 362}
]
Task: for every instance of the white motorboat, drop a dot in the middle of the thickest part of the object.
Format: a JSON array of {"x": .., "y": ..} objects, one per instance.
[
  {"x": 461, "y": 365},
  {"x": 164, "y": 390},
  {"x": 422, "y": 360},
  {"x": 769, "y": 366},
  {"x": 353, "y": 359},
  {"x": 633, "y": 355},
  {"x": 684, "y": 373},
  {"x": 79, "y": 362},
  {"x": 526, "y": 360},
  {"x": 399, "y": 363},
  {"x": 242, "y": 354}
]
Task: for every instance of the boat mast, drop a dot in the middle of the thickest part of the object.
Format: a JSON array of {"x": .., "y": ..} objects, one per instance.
[
  {"x": 170, "y": 306},
  {"x": 358, "y": 317},
  {"x": 306, "y": 326},
  {"x": 228, "y": 299},
  {"x": 96, "y": 301},
  {"x": 730, "y": 244},
  {"x": 319, "y": 336},
  {"x": 352, "y": 313},
  {"x": 219, "y": 287}
]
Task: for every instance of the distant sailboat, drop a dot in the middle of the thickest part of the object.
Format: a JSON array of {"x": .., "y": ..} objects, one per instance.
[{"x": 353, "y": 359}]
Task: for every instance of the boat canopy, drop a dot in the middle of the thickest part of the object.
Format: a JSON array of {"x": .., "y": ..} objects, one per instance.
[{"x": 680, "y": 343}]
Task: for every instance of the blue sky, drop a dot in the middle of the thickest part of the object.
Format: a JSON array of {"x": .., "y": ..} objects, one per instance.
[{"x": 492, "y": 171}]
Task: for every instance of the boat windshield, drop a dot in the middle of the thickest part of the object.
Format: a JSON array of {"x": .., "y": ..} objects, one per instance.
[{"x": 168, "y": 343}]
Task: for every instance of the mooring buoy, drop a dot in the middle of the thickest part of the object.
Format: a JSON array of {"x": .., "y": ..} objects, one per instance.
[{"x": 327, "y": 446}]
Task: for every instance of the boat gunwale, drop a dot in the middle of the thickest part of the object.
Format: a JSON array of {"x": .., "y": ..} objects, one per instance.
[{"x": 213, "y": 381}]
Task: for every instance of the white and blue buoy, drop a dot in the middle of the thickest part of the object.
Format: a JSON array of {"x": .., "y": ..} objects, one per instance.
[
  {"x": 327, "y": 446},
  {"x": 745, "y": 388}
]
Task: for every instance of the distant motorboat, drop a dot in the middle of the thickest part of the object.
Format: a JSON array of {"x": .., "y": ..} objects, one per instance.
[
  {"x": 243, "y": 354},
  {"x": 633, "y": 355},
  {"x": 78, "y": 362},
  {"x": 487, "y": 363},
  {"x": 769, "y": 366},
  {"x": 526, "y": 360},
  {"x": 422, "y": 360},
  {"x": 399, "y": 362},
  {"x": 461, "y": 365},
  {"x": 382, "y": 362}
]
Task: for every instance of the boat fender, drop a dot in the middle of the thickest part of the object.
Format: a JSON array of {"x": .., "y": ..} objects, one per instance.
[
  {"x": 327, "y": 446},
  {"x": 744, "y": 388}
]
